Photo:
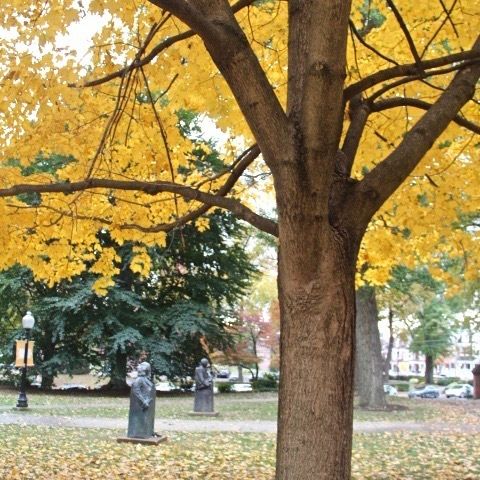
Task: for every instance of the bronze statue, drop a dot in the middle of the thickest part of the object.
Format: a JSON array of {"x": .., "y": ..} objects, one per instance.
[
  {"x": 141, "y": 416},
  {"x": 203, "y": 388}
]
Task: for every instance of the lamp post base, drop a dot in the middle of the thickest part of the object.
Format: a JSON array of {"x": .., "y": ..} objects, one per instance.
[
  {"x": 22, "y": 403},
  {"x": 22, "y": 400}
]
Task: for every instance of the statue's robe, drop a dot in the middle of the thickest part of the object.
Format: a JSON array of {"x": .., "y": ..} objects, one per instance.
[
  {"x": 203, "y": 390},
  {"x": 141, "y": 417}
]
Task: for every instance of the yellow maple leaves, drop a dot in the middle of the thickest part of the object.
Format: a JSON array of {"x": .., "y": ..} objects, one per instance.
[{"x": 127, "y": 127}]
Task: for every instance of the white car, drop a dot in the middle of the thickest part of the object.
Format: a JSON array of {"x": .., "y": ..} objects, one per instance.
[{"x": 461, "y": 390}]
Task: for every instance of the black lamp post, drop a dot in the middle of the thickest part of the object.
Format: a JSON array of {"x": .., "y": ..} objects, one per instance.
[{"x": 27, "y": 323}]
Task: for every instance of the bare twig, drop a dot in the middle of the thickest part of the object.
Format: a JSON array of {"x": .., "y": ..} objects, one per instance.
[
  {"x": 406, "y": 32},
  {"x": 367, "y": 45}
]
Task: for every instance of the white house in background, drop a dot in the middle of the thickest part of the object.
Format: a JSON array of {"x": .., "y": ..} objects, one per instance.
[{"x": 463, "y": 356}]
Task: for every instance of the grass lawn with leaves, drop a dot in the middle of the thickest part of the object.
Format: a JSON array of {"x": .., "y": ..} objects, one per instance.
[
  {"x": 241, "y": 406},
  {"x": 250, "y": 406},
  {"x": 46, "y": 453}
]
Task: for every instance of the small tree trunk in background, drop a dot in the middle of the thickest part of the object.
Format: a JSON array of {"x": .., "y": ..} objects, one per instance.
[
  {"x": 47, "y": 381},
  {"x": 47, "y": 346},
  {"x": 118, "y": 373},
  {"x": 368, "y": 359},
  {"x": 240, "y": 373},
  {"x": 428, "y": 369},
  {"x": 391, "y": 340}
]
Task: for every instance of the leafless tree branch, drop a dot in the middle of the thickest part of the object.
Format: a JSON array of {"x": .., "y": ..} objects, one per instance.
[
  {"x": 382, "y": 105},
  {"x": 406, "y": 32},
  {"x": 410, "y": 69}
]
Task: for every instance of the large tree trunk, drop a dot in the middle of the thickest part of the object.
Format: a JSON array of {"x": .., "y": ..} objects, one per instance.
[
  {"x": 428, "y": 369},
  {"x": 317, "y": 305},
  {"x": 368, "y": 358}
]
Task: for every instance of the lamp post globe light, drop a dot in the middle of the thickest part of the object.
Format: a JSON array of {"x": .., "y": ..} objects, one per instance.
[{"x": 28, "y": 321}]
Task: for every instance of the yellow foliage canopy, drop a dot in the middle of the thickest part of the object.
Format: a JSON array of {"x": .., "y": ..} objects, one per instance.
[{"x": 97, "y": 101}]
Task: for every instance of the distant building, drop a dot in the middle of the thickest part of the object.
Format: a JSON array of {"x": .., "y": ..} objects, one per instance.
[{"x": 464, "y": 354}]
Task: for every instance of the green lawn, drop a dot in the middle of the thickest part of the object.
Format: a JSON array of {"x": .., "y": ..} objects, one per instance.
[
  {"x": 250, "y": 406},
  {"x": 45, "y": 453},
  {"x": 242, "y": 406}
]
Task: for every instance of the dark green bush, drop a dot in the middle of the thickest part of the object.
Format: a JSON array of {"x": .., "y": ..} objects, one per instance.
[
  {"x": 224, "y": 387},
  {"x": 443, "y": 382},
  {"x": 268, "y": 383}
]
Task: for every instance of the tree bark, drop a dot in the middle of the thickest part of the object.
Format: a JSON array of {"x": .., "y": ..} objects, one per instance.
[
  {"x": 368, "y": 358},
  {"x": 428, "y": 369},
  {"x": 317, "y": 304}
]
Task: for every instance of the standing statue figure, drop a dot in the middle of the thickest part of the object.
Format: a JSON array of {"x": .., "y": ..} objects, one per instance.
[
  {"x": 203, "y": 388},
  {"x": 141, "y": 417}
]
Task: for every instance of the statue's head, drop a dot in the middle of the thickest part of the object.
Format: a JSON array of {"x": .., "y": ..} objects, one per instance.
[
  {"x": 144, "y": 369},
  {"x": 204, "y": 362}
]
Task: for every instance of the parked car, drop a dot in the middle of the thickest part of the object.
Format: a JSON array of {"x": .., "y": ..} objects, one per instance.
[
  {"x": 426, "y": 392},
  {"x": 459, "y": 390},
  {"x": 390, "y": 390},
  {"x": 223, "y": 374}
]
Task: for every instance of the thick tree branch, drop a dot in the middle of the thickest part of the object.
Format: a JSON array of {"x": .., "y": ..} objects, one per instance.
[
  {"x": 421, "y": 76},
  {"x": 409, "y": 70},
  {"x": 215, "y": 23},
  {"x": 153, "y": 188},
  {"x": 242, "y": 162},
  {"x": 386, "y": 177},
  {"x": 359, "y": 112},
  {"x": 317, "y": 42},
  {"x": 382, "y": 105}
]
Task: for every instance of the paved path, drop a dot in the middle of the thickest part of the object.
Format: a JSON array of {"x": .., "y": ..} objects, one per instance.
[{"x": 199, "y": 425}]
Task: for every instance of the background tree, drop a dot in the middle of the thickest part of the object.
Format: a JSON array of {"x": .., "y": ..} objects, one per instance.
[
  {"x": 369, "y": 374},
  {"x": 173, "y": 317},
  {"x": 339, "y": 131}
]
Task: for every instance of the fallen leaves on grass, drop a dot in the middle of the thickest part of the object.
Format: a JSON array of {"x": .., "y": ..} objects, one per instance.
[{"x": 46, "y": 453}]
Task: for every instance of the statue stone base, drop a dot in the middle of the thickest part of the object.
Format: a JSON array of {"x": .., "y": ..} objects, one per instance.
[{"x": 144, "y": 441}]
